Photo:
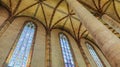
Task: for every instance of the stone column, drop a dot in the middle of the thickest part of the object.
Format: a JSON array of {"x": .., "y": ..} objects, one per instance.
[
  {"x": 111, "y": 22},
  {"x": 48, "y": 49},
  {"x": 106, "y": 40}
]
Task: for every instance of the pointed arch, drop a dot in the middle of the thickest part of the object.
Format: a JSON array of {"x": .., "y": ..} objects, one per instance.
[
  {"x": 20, "y": 57},
  {"x": 94, "y": 55},
  {"x": 66, "y": 51}
]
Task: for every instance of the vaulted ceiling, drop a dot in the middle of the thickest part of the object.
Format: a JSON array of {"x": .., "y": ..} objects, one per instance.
[
  {"x": 57, "y": 14},
  {"x": 100, "y": 7}
]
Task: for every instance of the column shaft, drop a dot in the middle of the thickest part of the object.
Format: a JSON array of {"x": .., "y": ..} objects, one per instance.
[
  {"x": 106, "y": 40},
  {"x": 48, "y": 49}
]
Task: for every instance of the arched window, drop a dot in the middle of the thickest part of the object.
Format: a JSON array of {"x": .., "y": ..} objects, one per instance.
[
  {"x": 21, "y": 53},
  {"x": 94, "y": 55},
  {"x": 67, "y": 55}
]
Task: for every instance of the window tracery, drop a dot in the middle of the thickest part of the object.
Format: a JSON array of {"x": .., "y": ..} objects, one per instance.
[
  {"x": 21, "y": 52},
  {"x": 66, "y": 51},
  {"x": 94, "y": 55}
]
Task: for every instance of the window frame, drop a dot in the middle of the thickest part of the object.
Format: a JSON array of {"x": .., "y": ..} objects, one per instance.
[
  {"x": 91, "y": 44},
  {"x": 16, "y": 41},
  {"x": 71, "y": 49}
]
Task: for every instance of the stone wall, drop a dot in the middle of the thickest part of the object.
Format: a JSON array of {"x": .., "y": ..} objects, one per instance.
[
  {"x": 4, "y": 14},
  {"x": 99, "y": 53}
]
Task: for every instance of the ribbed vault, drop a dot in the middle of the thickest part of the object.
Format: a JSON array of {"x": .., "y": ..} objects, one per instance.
[{"x": 57, "y": 14}]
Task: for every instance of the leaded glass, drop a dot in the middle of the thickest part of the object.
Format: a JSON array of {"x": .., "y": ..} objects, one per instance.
[
  {"x": 94, "y": 55},
  {"x": 67, "y": 55},
  {"x": 21, "y": 52}
]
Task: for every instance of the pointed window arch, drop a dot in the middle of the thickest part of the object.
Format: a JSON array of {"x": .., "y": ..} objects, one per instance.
[
  {"x": 94, "y": 55},
  {"x": 66, "y": 51},
  {"x": 21, "y": 53}
]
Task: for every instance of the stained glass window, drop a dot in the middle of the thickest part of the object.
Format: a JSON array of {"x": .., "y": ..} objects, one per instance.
[
  {"x": 21, "y": 52},
  {"x": 67, "y": 55},
  {"x": 94, "y": 55}
]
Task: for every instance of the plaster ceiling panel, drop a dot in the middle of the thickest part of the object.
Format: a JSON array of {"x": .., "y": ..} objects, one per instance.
[
  {"x": 29, "y": 12},
  {"x": 103, "y": 2},
  {"x": 25, "y": 3},
  {"x": 103, "y": 6},
  {"x": 40, "y": 14},
  {"x": 68, "y": 25},
  {"x": 62, "y": 10},
  {"x": 111, "y": 12},
  {"x": 57, "y": 17},
  {"x": 106, "y": 5},
  {"x": 14, "y": 4},
  {"x": 48, "y": 12},
  {"x": 52, "y": 3},
  {"x": 75, "y": 24},
  {"x": 63, "y": 7},
  {"x": 110, "y": 9},
  {"x": 61, "y": 23},
  {"x": 72, "y": 27}
]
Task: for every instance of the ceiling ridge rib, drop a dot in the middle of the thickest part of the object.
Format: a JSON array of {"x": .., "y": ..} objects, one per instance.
[
  {"x": 80, "y": 26},
  {"x": 36, "y": 11},
  {"x": 64, "y": 23},
  {"x": 44, "y": 14},
  {"x": 59, "y": 21},
  {"x": 83, "y": 33},
  {"x": 60, "y": 11},
  {"x": 54, "y": 11},
  {"x": 69, "y": 12},
  {"x": 95, "y": 4},
  {"x": 105, "y": 4},
  {"x": 108, "y": 5},
  {"x": 17, "y": 6}
]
